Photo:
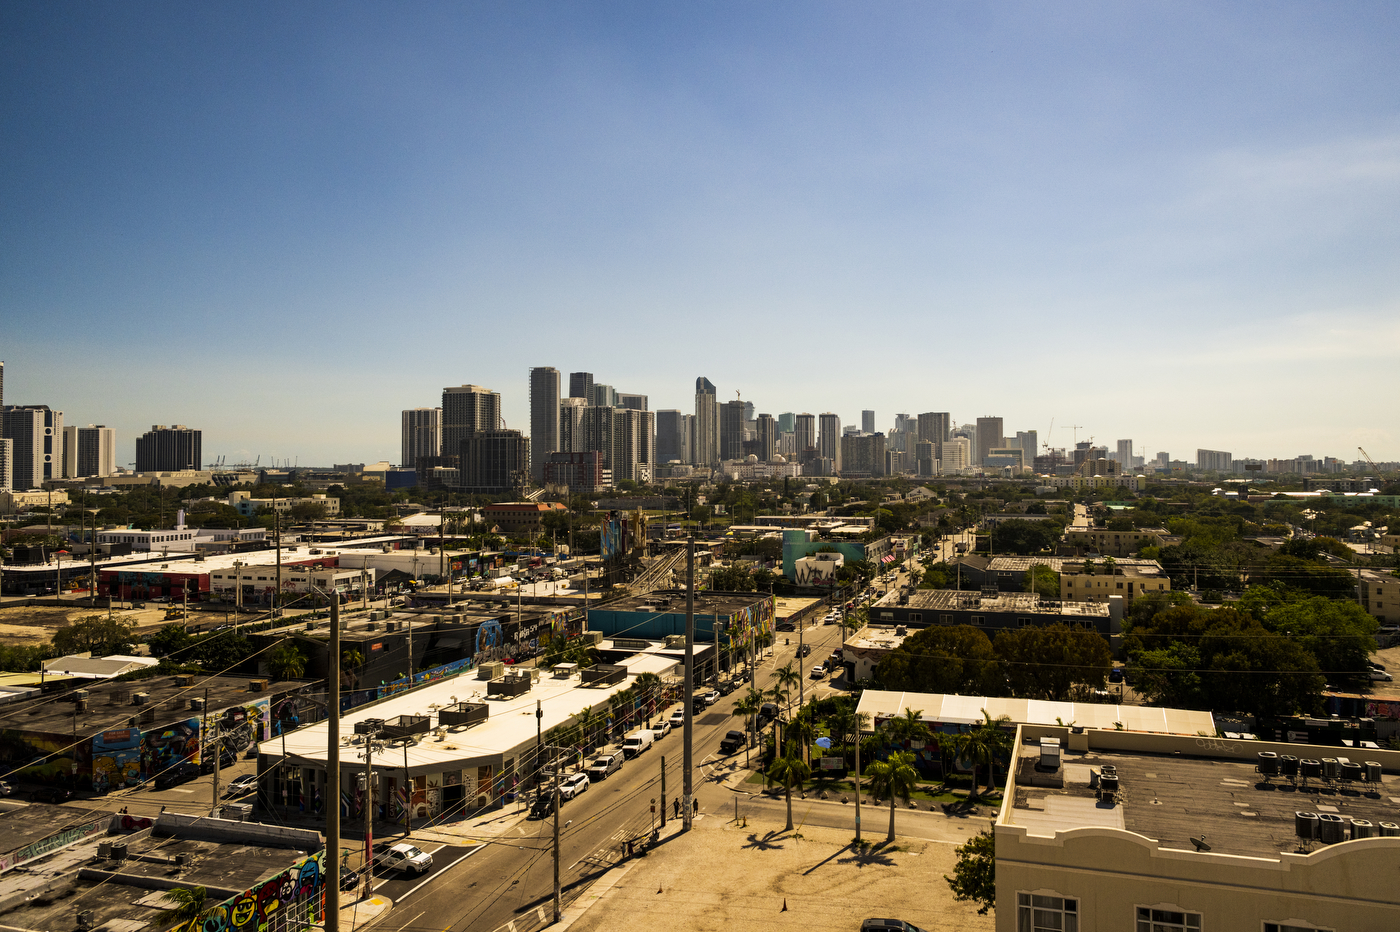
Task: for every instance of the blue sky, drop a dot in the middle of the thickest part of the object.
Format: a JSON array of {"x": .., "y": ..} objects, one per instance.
[{"x": 283, "y": 224}]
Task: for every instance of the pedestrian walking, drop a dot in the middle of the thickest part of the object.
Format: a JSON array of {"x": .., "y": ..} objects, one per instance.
[
  {"x": 696, "y": 810},
  {"x": 676, "y": 807}
]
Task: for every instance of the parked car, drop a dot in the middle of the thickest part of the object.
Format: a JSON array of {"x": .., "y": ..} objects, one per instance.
[
  {"x": 888, "y": 925},
  {"x": 677, "y": 718},
  {"x": 732, "y": 741},
  {"x": 543, "y": 806},
  {"x": 1380, "y": 676},
  {"x": 402, "y": 857},
  {"x": 5, "y": 788},
  {"x": 51, "y": 794},
  {"x": 247, "y": 783},
  {"x": 818, "y": 672},
  {"x": 727, "y": 686},
  {"x": 572, "y": 785},
  {"x": 226, "y": 759},
  {"x": 174, "y": 776},
  {"x": 711, "y": 697},
  {"x": 638, "y": 742},
  {"x": 661, "y": 729},
  {"x": 603, "y": 765},
  {"x": 767, "y": 712}
]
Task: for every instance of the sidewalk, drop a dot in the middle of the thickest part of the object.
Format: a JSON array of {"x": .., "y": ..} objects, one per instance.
[{"x": 357, "y": 914}]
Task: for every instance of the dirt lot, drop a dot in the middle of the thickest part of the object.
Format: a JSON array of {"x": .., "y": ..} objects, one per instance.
[
  {"x": 725, "y": 877},
  {"x": 22, "y": 625}
]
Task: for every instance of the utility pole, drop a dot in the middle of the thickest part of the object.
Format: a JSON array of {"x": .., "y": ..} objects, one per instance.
[
  {"x": 215, "y": 743},
  {"x": 332, "y": 798},
  {"x": 277, "y": 524},
  {"x": 801, "y": 679},
  {"x": 857, "y": 779},
  {"x": 558, "y": 902},
  {"x": 686, "y": 788},
  {"x": 539, "y": 743},
  {"x": 663, "y": 791},
  {"x": 92, "y": 559},
  {"x": 367, "y": 801}
]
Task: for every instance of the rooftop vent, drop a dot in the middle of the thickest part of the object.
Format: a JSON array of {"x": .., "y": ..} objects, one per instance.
[
  {"x": 140, "y": 698},
  {"x": 257, "y": 686},
  {"x": 464, "y": 713}
]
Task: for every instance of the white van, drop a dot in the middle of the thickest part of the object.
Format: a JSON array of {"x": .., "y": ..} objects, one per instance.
[{"x": 637, "y": 742}]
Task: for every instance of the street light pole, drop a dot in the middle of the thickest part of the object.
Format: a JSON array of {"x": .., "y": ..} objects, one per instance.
[
  {"x": 332, "y": 800},
  {"x": 686, "y": 788}
]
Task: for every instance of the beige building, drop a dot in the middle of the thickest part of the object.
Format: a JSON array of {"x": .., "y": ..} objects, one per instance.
[
  {"x": 1129, "y": 581},
  {"x": 11, "y": 502},
  {"x": 1115, "y": 543},
  {"x": 1077, "y": 853},
  {"x": 1380, "y": 595}
]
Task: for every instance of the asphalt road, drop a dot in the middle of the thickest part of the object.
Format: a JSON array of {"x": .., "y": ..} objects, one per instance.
[{"x": 508, "y": 881}]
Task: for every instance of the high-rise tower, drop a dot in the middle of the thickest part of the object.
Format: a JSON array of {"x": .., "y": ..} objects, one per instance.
[
  {"x": 420, "y": 434},
  {"x": 467, "y": 409},
  {"x": 705, "y": 446},
  {"x": 544, "y": 418}
]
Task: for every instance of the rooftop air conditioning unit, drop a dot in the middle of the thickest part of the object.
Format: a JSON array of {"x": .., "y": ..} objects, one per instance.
[
  {"x": 257, "y": 686},
  {"x": 79, "y": 694},
  {"x": 140, "y": 698},
  {"x": 196, "y": 705}
]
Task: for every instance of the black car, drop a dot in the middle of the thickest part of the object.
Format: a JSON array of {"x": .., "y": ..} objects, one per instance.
[
  {"x": 226, "y": 759},
  {"x": 51, "y": 794},
  {"x": 174, "y": 776},
  {"x": 543, "y": 807},
  {"x": 805, "y": 649},
  {"x": 732, "y": 741}
]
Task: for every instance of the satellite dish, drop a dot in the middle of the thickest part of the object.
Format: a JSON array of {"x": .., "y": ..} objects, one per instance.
[{"x": 1200, "y": 843}]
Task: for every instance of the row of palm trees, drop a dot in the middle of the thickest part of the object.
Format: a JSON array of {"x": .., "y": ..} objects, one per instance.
[{"x": 895, "y": 777}]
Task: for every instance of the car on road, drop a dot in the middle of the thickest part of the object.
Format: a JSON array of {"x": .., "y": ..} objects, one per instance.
[
  {"x": 661, "y": 729},
  {"x": 888, "y": 925},
  {"x": 818, "y": 672},
  {"x": 731, "y": 742},
  {"x": 51, "y": 794},
  {"x": 727, "y": 686},
  {"x": 804, "y": 650},
  {"x": 5, "y": 788},
  {"x": 240, "y": 785},
  {"x": 767, "y": 712},
  {"x": 226, "y": 759},
  {"x": 677, "y": 718},
  {"x": 603, "y": 765},
  {"x": 573, "y": 784},
  {"x": 1380, "y": 676},
  {"x": 710, "y": 697},
  {"x": 174, "y": 776},
  {"x": 402, "y": 857},
  {"x": 543, "y": 806}
]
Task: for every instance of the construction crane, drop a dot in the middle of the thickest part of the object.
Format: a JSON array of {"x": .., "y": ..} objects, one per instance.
[
  {"x": 1076, "y": 428},
  {"x": 1371, "y": 461}
]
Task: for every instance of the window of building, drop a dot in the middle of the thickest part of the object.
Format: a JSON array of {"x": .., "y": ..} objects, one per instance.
[
  {"x": 1155, "y": 919},
  {"x": 1037, "y": 913},
  {"x": 945, "y": 619},
  {"x": 1022, "y": 622},
  {"x": 1294, "y": 925},
  {"x": 913, "y": 617},
  {"x": 979, "y": 620}
]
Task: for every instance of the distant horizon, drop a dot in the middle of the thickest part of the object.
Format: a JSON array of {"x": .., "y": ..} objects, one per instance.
[{"x": 282, "y": 225}]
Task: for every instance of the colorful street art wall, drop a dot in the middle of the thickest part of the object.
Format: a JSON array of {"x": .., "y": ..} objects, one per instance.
[
  {"x": 169, "y": 746},
  {"x": 290, "y": 900},
  {"x": 116, "y": 759}
]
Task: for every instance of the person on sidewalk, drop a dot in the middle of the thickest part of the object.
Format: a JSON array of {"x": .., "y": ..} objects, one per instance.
[{"x": 676, "y": 807}]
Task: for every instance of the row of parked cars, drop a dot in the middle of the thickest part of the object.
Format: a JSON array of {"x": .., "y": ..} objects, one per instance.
[{"x": 603, "y": 766}]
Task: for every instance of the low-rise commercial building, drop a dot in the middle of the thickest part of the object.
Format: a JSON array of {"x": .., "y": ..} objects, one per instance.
[
  {"x": 996, "y": 611},
  {"x": 1115, "y": 543},
  {"x": 1090, "y": 582},
  {"x": 1108, "y": 829}
]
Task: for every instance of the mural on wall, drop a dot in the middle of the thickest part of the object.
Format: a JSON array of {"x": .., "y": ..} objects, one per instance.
[
  {"x": 285, "y": 716},
  {"x": 242, "y": 726},
  {"x": 116, "y": 759},
  {"x": 38, "y": 756},
  {"x": 289, "y": 900},
  {"x": 756, "y": 619},
  {"x": 163, "y": 749}
]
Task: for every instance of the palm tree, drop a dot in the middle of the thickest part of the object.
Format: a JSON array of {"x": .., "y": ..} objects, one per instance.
[
  {"x": 787, "y": 678},
  {"x": 983, "y": 745},
  {"x": 186, "y": 905},
  {"x": 906, "y": 728},
  {"x": 803, "y": 731},
  {"x": 790, "y": 770},
  {"x": 352, "y": 660},
  {"x": 286, "y": 662},
  {"x": 893, "y": 777},
  {"x": 586, "y": 725},
  {"x": 749, "y": 706},
  {"x": 648, "y": 686}
]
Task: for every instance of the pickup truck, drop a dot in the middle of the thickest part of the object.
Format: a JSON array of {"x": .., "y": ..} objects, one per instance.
[
  {"x": 731, "y": 742},
  {"x": 402, "y": 857}
]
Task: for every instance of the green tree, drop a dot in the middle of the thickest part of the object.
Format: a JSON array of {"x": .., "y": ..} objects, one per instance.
[
  {"x": 286, "y": 662},
  {"x": 891, "y": 778},
  {"x": 906, "y": 728},
  {"x": 1341, "y": 636},
  {"x": 1047, "y": 662},
  {"x": 221, "y": 651},
  {"x": 788, "y": 771},
  {"x": 975, "y": 874},
  {"x": 787, "y": 679},
  {"x": 1043, "y": 581},
  {"x": 737, "y": 577},
  {"x": 170, "y": 639},
  {"x": 97, "y": 634},
  {"x": 186, "y": 906},
  {"x": 749, "y": 706},
  {"x": 1020, "y": 536},
  {"x": 942, "y": 659}
]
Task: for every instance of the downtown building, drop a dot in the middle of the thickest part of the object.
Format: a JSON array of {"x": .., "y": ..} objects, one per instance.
[
  {"x": 420, "y": 435},
  {"x": 35, "y": 433},
  {"x": 169, "y": 449},
  {"x": 704, "y": 443},
  {"x": 89, "y": 451},
  {"x": 544, "y": 418}
]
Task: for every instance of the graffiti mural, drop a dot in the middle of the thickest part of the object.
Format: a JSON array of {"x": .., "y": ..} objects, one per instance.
[
  {"x": 51, "y": 757},
  {"x": 116, "y": 759},
  {"x": 289, "y": 900},
  {"x": 163, "y": 749}
]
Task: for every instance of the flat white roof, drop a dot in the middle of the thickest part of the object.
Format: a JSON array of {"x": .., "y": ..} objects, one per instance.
[
  {"x": 510, "y": 729},
  {"x": 967, "y": 710}
]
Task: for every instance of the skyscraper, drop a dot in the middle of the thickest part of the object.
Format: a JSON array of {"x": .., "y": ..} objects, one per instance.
[
  {"x": 805, "y": 428},
  {"x": 731, "y": 430},
  {"x": 1125, "y": 454},
  {"x": 787, "y": 422},
  {"x": 168, "y": 449},
  {"x": 1029, "y": 442},
  {"x": 934, "y": 426},
  {"x": 544, "y": 418},
  {"x": 633, "y": 444},
  {"x": 867, "y": 422},
  {"x": 670, "y": 436},
  {"x": 630, "y": 400},
  {"x": 705, "y": 444},
  {"x": 467, "y": 409},
  {"x": 829, "y": 440},
  {"x": 420, "y": 435},
  {"x": 989, "y": 435},
  {"x": 581, "y": 386},
  {"x": 89, "y": 451},
  {"x": 604, "y": 396},
  {"x": 571, "y": 412},
  {"x": 767, "y": 438},
  {"x": 494, "y": 461},
  {"x": 7, "y": 456},
  {"x": 36, "y": 451}
]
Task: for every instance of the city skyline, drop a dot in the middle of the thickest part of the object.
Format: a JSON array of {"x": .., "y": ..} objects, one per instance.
[{"x": 1177, "y": 221}]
